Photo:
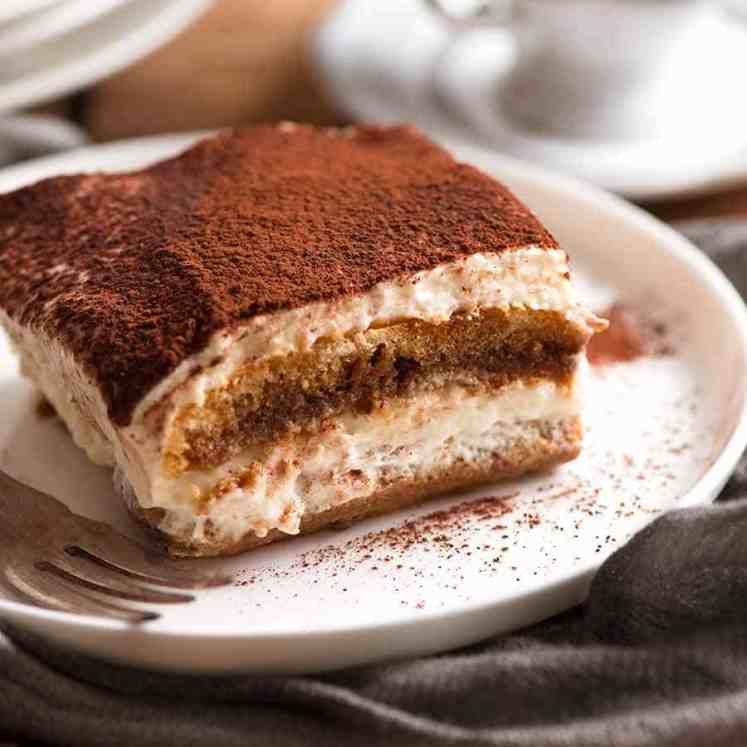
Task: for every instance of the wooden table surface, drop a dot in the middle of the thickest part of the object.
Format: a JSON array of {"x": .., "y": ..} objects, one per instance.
[
  {"x": 247, "y": 61},
  {"x": 730, "y": 203}
]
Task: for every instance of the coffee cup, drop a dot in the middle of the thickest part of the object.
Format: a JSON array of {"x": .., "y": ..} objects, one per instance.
[{"x": 586, "y": 68}]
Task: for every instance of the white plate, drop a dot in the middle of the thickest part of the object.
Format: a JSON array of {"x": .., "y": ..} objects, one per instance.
[
  {"x": 53, "y": 22},
  {"x": 112, "y": 42},
  {"x": 11, "y": 10},
  {"x": 394, "y": 61},
  {"x": 664, "y": 432}
]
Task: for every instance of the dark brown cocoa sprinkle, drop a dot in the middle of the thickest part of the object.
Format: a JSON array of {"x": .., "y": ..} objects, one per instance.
[
  {"x": 134, "y": 272},
  {"x": 442, "y": 532},
  {"x": 630, "y": 335}
]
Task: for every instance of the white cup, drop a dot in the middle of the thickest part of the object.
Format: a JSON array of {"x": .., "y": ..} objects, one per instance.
[{"x": 587, "y": 68}]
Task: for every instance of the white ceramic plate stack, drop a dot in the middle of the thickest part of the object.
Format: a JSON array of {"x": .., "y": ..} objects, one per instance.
[{"x": 49, "y": 48}]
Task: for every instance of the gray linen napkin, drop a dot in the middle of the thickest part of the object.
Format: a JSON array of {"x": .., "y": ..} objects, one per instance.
[{"x": 657, "y": 656}]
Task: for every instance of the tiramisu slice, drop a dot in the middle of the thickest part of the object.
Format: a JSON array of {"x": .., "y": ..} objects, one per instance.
[{"x": 289, "y": 327}]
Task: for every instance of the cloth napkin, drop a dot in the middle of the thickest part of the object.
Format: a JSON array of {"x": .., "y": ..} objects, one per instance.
[{"x": 657, "y": 656}]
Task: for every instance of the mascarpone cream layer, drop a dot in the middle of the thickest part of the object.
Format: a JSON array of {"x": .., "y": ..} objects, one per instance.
[{"x": 352, "y": 456}]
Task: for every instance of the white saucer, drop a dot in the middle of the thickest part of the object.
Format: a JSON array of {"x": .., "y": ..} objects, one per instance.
[
  {"x": 114, "y": 40},
  {"x": 11, "y": 10},
  {"x": 663, "y": 432},
  {"x": 395, "y": 61}
]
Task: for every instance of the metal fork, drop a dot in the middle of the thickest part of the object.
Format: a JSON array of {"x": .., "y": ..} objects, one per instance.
[{"x": 59, "y": 560}]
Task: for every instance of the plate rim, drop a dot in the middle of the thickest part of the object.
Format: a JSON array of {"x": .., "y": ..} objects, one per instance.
[
  {"x": 105, "y": 60},
  {"x": 32, "y": 6},
  {"x": 667, "y": 239},
  {"x": 30, "y": 37}
]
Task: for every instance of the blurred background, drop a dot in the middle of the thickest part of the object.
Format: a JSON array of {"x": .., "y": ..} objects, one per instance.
[{"x": 647, "y": 98}]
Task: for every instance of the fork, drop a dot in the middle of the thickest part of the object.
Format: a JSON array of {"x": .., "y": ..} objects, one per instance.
[{"x": 56, "y": 559}]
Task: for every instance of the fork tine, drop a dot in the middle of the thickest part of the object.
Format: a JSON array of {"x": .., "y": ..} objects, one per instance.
[
  {"x": 51, "y": 592},
  {"x": 103, "y": 542},
  {"x": 171, "y": 581},
  {"x": 99, "y": 539},
  {"x": 130, "y": 592}
]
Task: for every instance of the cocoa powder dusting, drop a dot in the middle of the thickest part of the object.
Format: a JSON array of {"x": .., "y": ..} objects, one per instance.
[
  {"x": 630, "y": 335},
  {"x": 443, "y": 533},
  {"x": 134, "y": 273},
  {"x": 438, "y": 528}
]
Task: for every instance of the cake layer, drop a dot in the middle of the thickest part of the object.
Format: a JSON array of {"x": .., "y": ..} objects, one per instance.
[
  {"x": 522, "y": 447},
  {"x": 354, "y": 455},
  {"x": 358, "y": 373}
]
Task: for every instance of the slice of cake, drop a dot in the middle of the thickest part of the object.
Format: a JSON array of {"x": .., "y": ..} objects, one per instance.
[{"x": 290, "y": 327}]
